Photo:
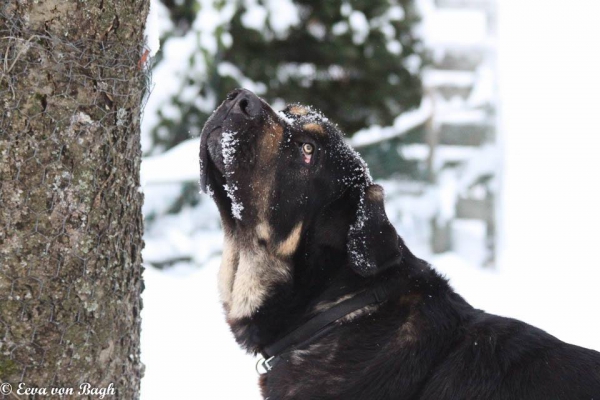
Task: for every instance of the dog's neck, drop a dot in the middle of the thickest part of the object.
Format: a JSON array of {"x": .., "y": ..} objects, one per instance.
[
  {"x": 266, "y": 292},
  {"x": 248, "y": 273}
]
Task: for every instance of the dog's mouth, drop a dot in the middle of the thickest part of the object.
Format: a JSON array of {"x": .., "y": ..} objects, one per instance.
[
  {"x": 240, "y": 110},
  {"x": 211, "y": 153}
]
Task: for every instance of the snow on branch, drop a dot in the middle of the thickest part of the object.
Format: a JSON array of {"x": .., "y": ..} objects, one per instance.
[{"x": 402, "y": 124}]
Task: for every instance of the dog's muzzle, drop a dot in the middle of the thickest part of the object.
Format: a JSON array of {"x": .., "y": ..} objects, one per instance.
[{"x": 240, "y": 108}]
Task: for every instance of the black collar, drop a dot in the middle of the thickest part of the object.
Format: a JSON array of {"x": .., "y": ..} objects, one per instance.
[{"x": 317, "y": 326}]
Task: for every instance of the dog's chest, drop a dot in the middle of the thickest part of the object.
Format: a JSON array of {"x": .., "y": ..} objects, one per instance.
[{"x": 308, "y": 373}]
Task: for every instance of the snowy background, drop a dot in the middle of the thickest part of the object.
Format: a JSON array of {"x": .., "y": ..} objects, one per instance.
[{"x": 536, "y": 87}]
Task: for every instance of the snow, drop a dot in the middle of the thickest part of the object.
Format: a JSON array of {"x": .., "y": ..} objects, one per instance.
[
  {"x": 356, "y": 242},
  {"x": 486, "y": 162},
  {"x": 179, "y": 164},
  {"x": 156, "y": 25},
  {"x": 305, "y": 71},
  {"x": 396, "y": 13},
  {"x": 415, "y": 151},
  {"x": 461, "y": 116},
  {"x": 317, "y": 29},
  {"x": 443, "y": 154},
  {"x": 345, "y": 9},
  {"x": 437, "y": 77},
  {"x": 166, "y": 82},
  {"x": 340, "y": 28},
  {"x": 192, "y": 234},
  {"x": 455, "y": 27},
  {"x": 187, "y": 348},
  {"x": 228, "y": 69},
  {"x": 469, "y": 241},
  {"x": 159, "y": 198},
  {"x": 183, "y": 56},
  {"x": 360, "y": 27},
  {"x": 285, "y": 118},
  {"x": 413, "y": 63},
  {"x": 448, "y": 195},
  {"x": 255, "y": 17},
  {"x": 280, "y": 14},
  {"x": 394, "y": 47},
  {"x": 210, "y": 17},
  {"x": 402, "y": 124},
  {"x": 284, "y": 15},
  {"x": 483, "y": 92},
  {"x": 550, "y": 136},
  {"x": 236, "y": 206},
  {"x": 228, "y": 147}
]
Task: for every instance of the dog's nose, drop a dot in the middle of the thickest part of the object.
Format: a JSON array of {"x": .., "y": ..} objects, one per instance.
[{"x": 245, "y": 102}]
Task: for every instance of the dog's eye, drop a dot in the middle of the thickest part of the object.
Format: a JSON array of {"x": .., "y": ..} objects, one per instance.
[
  {"x": 308, "y": 149},
  {"x": 307, "y": 152}
]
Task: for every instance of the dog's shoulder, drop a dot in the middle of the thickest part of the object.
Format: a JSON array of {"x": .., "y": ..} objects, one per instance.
[{"x": 500, "y": 358}]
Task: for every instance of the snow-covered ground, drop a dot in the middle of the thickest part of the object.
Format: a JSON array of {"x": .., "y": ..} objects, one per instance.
[
  {"x": 549, "y": 269},
  {"x": 187, "y": 348},
  {"x": 550, "y": 124},
  {"x": 190, "y": 354}
]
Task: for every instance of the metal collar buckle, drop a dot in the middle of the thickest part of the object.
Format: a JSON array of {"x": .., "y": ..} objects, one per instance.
[{"x": 264, "y": 364}]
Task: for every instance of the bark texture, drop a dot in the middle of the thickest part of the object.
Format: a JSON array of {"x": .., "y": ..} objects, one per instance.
[{"x": 71, "y": 88}]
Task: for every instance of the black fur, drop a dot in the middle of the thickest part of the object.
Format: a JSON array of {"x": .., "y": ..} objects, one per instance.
[{"x": 426, "y": 342}]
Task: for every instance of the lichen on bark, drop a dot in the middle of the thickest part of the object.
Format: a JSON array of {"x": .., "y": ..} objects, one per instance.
[{"x": 71, "y": 89}]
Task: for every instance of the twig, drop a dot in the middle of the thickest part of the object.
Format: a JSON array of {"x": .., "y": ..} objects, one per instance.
[
  {"x": 24, "y": 48},
  {"x": 7, "y": 70}
]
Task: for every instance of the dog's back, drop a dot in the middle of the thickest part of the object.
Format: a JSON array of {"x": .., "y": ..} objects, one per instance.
[
  {"x": 431, "y": 344},
  {"x": 503, "y": 358}
]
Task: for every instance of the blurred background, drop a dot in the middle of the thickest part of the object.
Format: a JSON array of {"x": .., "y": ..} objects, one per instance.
[{"x": 479, "y": 117}]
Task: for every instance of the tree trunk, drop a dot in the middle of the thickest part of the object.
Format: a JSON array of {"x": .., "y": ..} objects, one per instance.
[{"x": 71, "y": 89}]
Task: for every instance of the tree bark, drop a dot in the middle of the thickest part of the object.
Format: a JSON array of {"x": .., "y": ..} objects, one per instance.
[{"x": 71, "y": 88}]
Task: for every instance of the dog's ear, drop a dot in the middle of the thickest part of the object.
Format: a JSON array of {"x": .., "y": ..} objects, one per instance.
[{"x": 373, "y": 244}]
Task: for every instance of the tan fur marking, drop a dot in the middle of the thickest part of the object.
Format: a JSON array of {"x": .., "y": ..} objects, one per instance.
[
  {"x": 290, "y": 244},
  {"x": 367, "y": 310},
  {"x": 256, "y": 273},
  {"x": 409, "y": 330},
  {"x": 320, "y": 307},
  {"x": 226, "y": 273},
  {"x": 271, "y": 139},
  {"x": 413, "y": 299},
  {"x": 375, "y": 193},
  {"x": 324, "y": 351},
  {"x": 326, "y": 305},
  {"x": 297, "y": 357},
  {"x": 263, "y": 231},
  {"x": 262, "y": 181},
  {"x": 313, "y": 127},
  {"x": 248, "y": 292},
  {"x": 298, "y": 110}
]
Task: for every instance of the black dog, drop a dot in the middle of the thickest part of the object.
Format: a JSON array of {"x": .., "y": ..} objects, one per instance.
[{"x": 316, "y": 279}]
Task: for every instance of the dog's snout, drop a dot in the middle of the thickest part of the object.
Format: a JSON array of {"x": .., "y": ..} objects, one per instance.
[{"x": 246, "y": 103}]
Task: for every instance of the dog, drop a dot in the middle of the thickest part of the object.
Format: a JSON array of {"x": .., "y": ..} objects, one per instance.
[{"x": 315, "y": 278}]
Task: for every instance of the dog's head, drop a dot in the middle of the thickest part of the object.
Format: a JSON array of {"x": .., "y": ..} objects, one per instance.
[{"x": 275, "y": 176}]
